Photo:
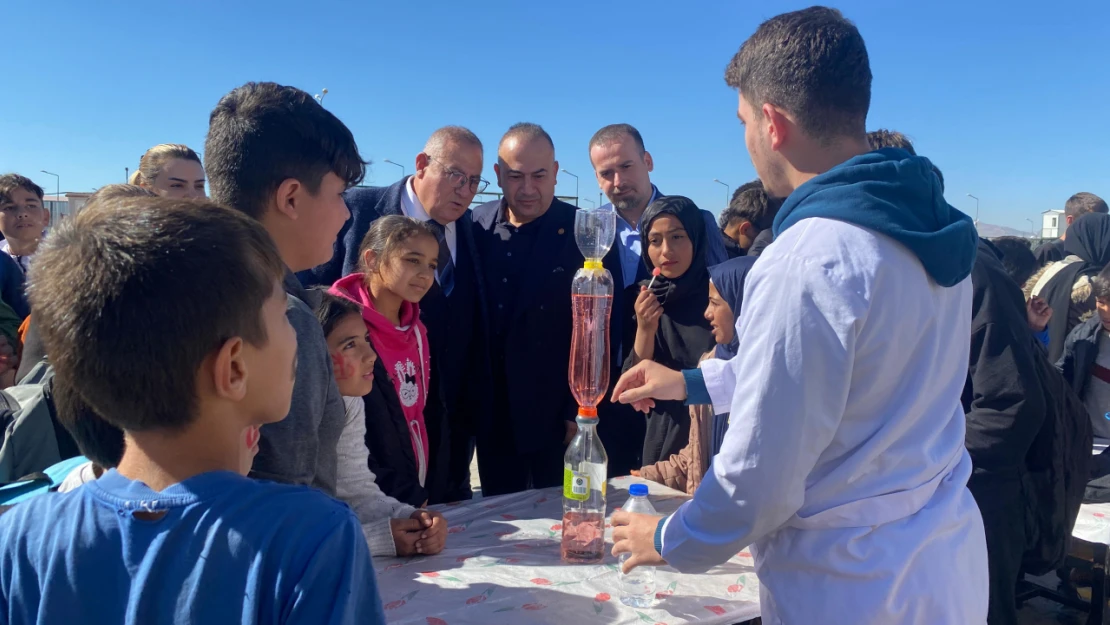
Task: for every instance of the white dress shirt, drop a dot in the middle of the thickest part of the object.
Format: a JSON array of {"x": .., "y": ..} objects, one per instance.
[
  {"x": 844, "y": 464},
  {"x": 411, "y": 207}
]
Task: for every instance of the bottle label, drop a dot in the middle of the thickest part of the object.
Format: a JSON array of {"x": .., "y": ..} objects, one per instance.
[{"x": 576, "y": 485}]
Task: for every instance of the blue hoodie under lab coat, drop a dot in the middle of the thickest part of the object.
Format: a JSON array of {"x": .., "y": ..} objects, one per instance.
[{"x": 895, "y": 194}]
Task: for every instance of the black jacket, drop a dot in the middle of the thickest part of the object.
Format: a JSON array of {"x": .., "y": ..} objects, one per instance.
[
  {"x": 453, "y": 324},
  {"x": 1080, "y": 354},
  {"x": 1002, "y": 397},
  {"x": 762, "y": 240},
  {"x": 536, "y": 355}
]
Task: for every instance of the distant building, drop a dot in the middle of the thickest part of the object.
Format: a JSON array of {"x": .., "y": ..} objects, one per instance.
[
  {"x": 1052, "y": 224},
  {"x": 65, "y": 205}
]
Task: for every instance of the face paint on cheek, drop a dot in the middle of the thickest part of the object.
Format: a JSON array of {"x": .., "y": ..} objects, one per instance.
[{"x": 343, "y": 369}]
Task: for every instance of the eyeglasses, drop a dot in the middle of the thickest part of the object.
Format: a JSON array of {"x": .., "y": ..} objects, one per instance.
[{"x": 459, "y": 179}]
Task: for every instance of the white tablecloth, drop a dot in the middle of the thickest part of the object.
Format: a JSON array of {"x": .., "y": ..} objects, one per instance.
[
  {"x": 1093, "y": 522},
  {"x": 502, "y": 565}
]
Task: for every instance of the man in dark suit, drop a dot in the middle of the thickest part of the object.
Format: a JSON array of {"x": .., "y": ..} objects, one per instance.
[
  {"x": 623, "y": 168},
  {"x": 529, "y": 257},
  {"x": 448, "y": 175}
]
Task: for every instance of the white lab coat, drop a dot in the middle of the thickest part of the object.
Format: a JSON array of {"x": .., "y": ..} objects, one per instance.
[{"x": 844, "y": 463}]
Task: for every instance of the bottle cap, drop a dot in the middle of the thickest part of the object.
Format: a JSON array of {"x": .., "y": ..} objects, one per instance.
[
  {"x": 589, "y": 412},
  {"x": 638, "y": 490}
]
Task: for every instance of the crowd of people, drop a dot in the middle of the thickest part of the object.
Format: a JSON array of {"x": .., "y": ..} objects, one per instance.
[{"x": 271, "y": 384}]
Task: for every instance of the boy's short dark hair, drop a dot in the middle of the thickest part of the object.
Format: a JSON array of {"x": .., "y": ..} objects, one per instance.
[
  {"x": 1077, "y": 205},
  {"x": 330, "y": 309},
  {"x": 883, "y": 138},
  {"x": 1017, "y": 258},
  {"x": 11, "y": 182},
  {"x": 98, "y": 440},
  {"x": 132, "y": 295},
  {"x": 1101, "y": 284},
  {"x": 811, "y": 63},
  {"x": 262, "y": 134},
  {"x": 750, "y": 202}
]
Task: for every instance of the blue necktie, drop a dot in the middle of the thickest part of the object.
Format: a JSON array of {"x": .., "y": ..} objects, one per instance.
[{"x": 446, "y": 270}]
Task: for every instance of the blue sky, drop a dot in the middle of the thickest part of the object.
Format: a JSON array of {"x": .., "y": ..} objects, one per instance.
[{"x": 1010, "y": 99}]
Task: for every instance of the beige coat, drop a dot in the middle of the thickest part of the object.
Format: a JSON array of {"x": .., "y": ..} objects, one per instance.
[{"x": 684, "y": 471}]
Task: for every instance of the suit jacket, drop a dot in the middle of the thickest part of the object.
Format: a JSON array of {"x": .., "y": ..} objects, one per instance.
[
  {"x": 536, "y": 354},
  {"x": 453, "y": 323}
]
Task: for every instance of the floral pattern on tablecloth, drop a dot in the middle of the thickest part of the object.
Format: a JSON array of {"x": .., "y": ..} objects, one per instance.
[{"x": 502, "y": 565}]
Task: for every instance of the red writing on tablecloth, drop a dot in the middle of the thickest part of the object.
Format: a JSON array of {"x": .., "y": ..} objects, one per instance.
[
  {"x": 557, "y": 527},
  {"x": 430, "y": 574},
  {"x": 539, "y": 581},
  {"x": 534, "y": 606},
  {"x": 435, "y": 621},
  {"x": 716, "y": 609},
  {"x": 602, "y": 596}
]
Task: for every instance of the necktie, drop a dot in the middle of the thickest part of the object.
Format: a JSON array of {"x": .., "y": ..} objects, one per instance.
[{"x": 446, "y": 270}]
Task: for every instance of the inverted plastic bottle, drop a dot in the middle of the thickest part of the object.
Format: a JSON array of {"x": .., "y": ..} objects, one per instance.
[
  {"x": 585, "y": 464},
  {"x": 638, "y": 587}
]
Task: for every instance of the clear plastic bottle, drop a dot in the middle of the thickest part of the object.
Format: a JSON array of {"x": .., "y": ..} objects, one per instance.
[
  {"x": 638, "y": 587},
  {"x": 584, "y": 469}
]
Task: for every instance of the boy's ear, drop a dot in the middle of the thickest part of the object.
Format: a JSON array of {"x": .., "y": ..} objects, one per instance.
[
  {"x": 747, "y": 229},
  {"x": 287, "y": 196},
  {"x": 229, "y": 370}
]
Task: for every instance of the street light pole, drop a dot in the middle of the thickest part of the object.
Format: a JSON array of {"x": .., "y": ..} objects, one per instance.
[
  {"x": 592, "y": 204},
  {"x": 397, "y": 165},
  {"x": 575, "y": 185},
  {"x": 599, "y": 201},
  {"x": 57, "y": 193},
  {"x": 320, "y": 96},
  {"x": 126, "y": 175},
  {"x": 1032, "y": 228},
  {"x": 728, "y": 191},
  {"x": 976, "y": 206}
]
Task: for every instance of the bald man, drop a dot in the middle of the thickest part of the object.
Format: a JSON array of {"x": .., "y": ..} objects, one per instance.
[{"x": 529, "y": 257}]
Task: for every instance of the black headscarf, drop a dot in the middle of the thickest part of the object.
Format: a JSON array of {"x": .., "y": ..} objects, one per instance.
[
  {"x": 684, "y": 334},
  {"x": 1089, "y": 239}
]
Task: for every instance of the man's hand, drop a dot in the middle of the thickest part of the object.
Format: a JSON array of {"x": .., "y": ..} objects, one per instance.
[
  {"x": 572, "y": 429},
  {"x": 434, "y": 535},
  {"x": 1038, "y": 313},
  {"x": 646, "y": 382},
  {"x": 406, "y": 533},
  {"x": 635, "y": 534}
]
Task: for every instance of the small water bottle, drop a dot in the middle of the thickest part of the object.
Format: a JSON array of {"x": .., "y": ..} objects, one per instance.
[{"x": 638, "y": 587}]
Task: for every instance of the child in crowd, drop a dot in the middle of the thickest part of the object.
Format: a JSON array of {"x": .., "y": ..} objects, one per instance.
[
  {"x": 685, "y": 470},
  {"x": 398, "y": 259},
  {"x": 273, "y": 153},
  {"x": 1021, "y": 264},
  {"x": 671, "y": 328},
  {"x": 170, "y": 170},
  {"x": 392, "y": 528},
  {"x": 23, "y": 219},
  {"x": 750, "y": 213},
  {"x": 1086, "y": 360},
  {"x": 173, "y": 534}
]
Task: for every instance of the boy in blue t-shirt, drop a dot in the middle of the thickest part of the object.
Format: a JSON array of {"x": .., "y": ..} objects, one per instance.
[{"x": 167, "y": 319}]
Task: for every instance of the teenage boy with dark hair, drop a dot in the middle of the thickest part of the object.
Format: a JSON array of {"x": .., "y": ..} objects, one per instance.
[
  {"x": 174, "y": 534},
  {"x": 749, "y": 215},
  {"x": 22, "y": 218},
  {"x": 275, "y": 154}
]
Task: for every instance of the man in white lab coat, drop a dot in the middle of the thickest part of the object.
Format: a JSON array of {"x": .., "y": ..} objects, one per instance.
[{"x": 844, "y": 464}]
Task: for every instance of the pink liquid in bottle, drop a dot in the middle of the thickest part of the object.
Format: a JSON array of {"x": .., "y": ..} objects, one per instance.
[
  {"x": 583, "y": 537},
  {"x": 589, "y": 348}
]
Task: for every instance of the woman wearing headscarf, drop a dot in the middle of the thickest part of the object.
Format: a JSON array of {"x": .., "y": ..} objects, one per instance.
[
  {"x": 670, "y": 326},
  {"x": 684, "y": 470},
  {"x": 1066, "y": 285}
]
